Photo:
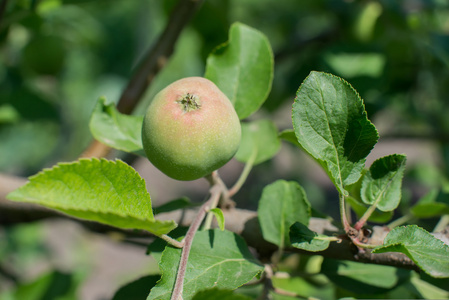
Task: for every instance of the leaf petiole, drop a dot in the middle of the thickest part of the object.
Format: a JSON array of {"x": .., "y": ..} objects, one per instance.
[
  {"x": 344, "y": 220},
  {"x": 399, "y": 221},
  {"x": 366, "y": 215},
  {"x": 364, "y": 246},
  {"x": 246, "y": 170},
  {"x": 172, "y": 241}
]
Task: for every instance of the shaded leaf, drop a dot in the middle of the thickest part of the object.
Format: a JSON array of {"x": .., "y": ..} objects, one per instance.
[
  {"x": 429, "y": 253},
  {"x": 259, "y": 138},
  {"x": 109, "y": 192},
  {"x": 180, "y": 203},
  {"x": 242, "y": 68},
  {"x": 425, "y": 290},
  {"x": 282, "y": 204},
  {"x": 351, "y": 65},
  {"x": 48, "y": 286},
  {"x": 304, "y": 288},
  {"x": 219, "y": 294},
  {"x": 217, "y": 259},
  {"x": 430, "y": 210},
  {"x": 27, "y": 144},
  {"x": 428, "y": 207},
  {"x": 363, "y": 278},
  {"x": 330, "y": 123},
  {"x": 381, "y": 186},
  {"x": 302, "y": 237},
  {"x": 157, "y": 247},
  {"x": 377, "y": 216},
  {"x": 119, "y": 131},
  {"x": 289, "y": 136},
  {"x": 137, "y": 289}
]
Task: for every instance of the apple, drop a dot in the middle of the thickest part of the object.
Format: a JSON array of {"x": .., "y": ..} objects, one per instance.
[{"x": 190, "y": 129}]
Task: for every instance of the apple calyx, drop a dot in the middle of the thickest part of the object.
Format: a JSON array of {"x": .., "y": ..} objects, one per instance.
[{"x": 189, "y": 102}]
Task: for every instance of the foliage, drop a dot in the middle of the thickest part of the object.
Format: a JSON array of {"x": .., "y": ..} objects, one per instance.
[{"x": 394, "y": 61}]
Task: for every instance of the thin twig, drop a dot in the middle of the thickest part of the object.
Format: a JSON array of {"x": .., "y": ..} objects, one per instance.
[
  {"x": 442, "y": 224},
  {"x": 179, "y": 283},
  {"x": 155, "y": 59}
]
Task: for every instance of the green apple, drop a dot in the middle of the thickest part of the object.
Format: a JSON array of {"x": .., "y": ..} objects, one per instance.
[{"x": 190, "y": 129}]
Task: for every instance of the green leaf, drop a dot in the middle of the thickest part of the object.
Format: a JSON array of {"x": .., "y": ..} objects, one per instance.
[
  {"x": 243, "y": 68},
  {"x": 426, "y": 290},
  {"x": 428, "y": 207},
  {"x": 363, "y": 278},
  {"x": 330, "y": 123},
  {"x": 429, "y": 253},
  {"x": 54, "y": 285},
  {"x": 381, "y": 186},
  {"x": 119, "y": 131},
  {"x": 377, "y": 216},
  {"x": 39, "y": 136},
  {"x": 109, "y": 192},
  {"x": 8, "y": 114},
  {"x": 219, "y": 294},
  {"x": 430, "y": 210},
  {"x": 218, "y": 213},
  {"x": 157, "y": 247},
  {"x": 137, "y": 289},
  {"x": 282, "y": 204},
  {"x": 259, "y": 138},
  {"x": 302, "y": 237},
  {"x": 306, "y": 288},
  {"x": 289, "y": 136},
  {"x": 217, "y": 259},
  {"x": 180, "y": 203},
  {"x": 351, "y": 65}
]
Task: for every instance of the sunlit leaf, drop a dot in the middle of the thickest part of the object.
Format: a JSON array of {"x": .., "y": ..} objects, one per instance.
[
  {"x": 330, "y": 123},
  {"x": 243, "y": 68},
  {"x": 282, "y": 204},
  {"x": 109, "y": 192},
  {"x": 217, "y": 259},
  {"x": 218, "y": 213},
  {"x": 119, "y": 131},
  {"x": 259, "y": 138},
  {"x": 428, "y": 252}
]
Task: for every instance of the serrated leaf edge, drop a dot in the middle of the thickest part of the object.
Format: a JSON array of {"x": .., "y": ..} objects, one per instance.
[
  {"x": 321, "y": 162},
  {"x": 405, "y": 247},
  {"x": 80, "y": 161},
  {"x": 379, "y": 198}
]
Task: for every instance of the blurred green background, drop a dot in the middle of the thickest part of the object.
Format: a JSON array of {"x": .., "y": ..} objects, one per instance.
[{"x": 57, "y": 57}]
